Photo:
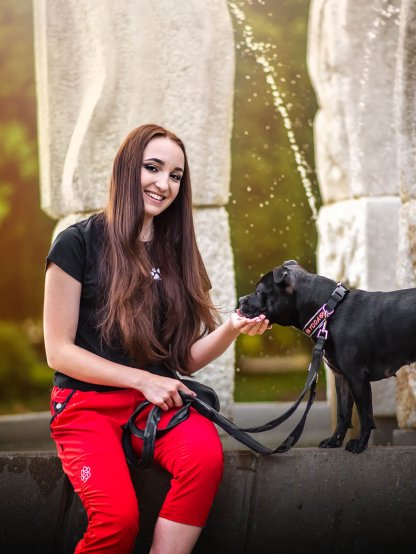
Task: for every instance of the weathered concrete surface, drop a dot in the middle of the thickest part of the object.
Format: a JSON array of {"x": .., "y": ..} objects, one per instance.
[
  {"x": 102, "y": 70},
  {"x": 30, "y": 498},
  {"x": 352, "y": 62},
  {"x": 306, "y": 501},
  {"x": 406, "y": 391},
  {"x": 361, "y": 58}
]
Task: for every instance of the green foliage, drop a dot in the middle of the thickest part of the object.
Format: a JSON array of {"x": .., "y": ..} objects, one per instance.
[
  {"x": 24, "y": 230},
  {"x": 18, "y": 162},
  {"x": 21, "y": 372}
]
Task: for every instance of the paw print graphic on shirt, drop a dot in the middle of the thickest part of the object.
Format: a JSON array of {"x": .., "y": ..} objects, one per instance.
[
  {"x": 85, "y": 473},
  {"x": 155, "y": 273}
]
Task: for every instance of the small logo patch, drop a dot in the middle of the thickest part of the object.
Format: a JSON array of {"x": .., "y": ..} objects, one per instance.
[
  {"x": 85, "y": 473},
  {"x": 155, "y": 273}
]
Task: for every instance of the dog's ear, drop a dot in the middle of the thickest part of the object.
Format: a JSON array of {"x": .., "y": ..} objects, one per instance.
[
  {"x": 281, "y": 276},
  {"x": 290, "y": 262}
]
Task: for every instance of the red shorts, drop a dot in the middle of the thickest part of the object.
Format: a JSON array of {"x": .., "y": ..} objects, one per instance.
[{"x": 87, "y": 429}]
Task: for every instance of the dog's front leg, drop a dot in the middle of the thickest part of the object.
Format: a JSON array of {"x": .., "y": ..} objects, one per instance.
[
  {"x": 344, "y": 412},
  {"x": 361, "y": 392}
]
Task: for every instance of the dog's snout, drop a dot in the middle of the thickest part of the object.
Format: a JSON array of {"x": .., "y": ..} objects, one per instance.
[{"x": 242, "y": 300}]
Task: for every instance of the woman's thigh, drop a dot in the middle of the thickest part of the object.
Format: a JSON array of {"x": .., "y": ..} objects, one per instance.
[
  {"x": 192, "y": 453},
  {"x": 88, "y": 438}
]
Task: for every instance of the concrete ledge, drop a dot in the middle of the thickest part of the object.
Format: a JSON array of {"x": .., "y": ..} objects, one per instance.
[
  {"x": 26, "y": 432},
  {"x": 308, "y": 500},
  {"x": 404, "y": 437}
]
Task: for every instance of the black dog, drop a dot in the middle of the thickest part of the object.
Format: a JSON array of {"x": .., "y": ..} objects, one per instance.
[{"x": 370, "y": 336}]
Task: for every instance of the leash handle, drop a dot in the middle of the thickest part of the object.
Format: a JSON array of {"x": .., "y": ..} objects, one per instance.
[{"x": 151, "y": 432}]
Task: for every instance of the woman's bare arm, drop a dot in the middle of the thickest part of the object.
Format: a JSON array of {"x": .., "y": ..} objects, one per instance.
[
  {"x": 61, "y": 313},
  {"x": 211, "y": 346}
]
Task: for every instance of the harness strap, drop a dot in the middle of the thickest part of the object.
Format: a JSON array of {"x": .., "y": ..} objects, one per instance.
[{"x": 319, "y": 318}]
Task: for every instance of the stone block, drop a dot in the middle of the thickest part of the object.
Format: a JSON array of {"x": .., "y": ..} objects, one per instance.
[
  {"x": 306, "y": 500},
  {"x": 404, "y": 437},
  {"x": 406, "y": 397},
  {"x": 384, "y": 398},
  {"x": 213, "y": 236},
  {"x": 103, "y": 69},
  {"x": 406, "y": 259},
  {"x": 358, "y": 242},
  {"x": 340, "y": 505},
  {"x": 30, "y": 492},
  {"x": 22, "y": 432},
  {"x": 352, "y": 62},
  {"x": 405, "y": 99}
]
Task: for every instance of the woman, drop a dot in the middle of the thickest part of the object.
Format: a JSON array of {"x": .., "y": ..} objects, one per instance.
[{"x": 127, "y": 305}]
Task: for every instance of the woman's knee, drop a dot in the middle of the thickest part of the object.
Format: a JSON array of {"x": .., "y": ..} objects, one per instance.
[
  {"x": 113, "y": 527},
  {"x": 124, "y": 518},
  {"x": 206, "y": 457}
]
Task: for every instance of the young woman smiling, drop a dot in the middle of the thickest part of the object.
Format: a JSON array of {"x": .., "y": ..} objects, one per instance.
[{"x": 127, "y": 307}]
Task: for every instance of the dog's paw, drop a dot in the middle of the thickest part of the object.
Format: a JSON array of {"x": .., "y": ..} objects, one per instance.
[
  {"x": 356, "y": 446},
  {"x": 330, "y": 442}
]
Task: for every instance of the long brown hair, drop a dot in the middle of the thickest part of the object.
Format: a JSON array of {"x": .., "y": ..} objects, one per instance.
[{"x": 157, "y": 321}]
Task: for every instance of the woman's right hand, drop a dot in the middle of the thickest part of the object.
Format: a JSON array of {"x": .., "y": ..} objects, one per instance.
[{"x": 164, "y": 391}]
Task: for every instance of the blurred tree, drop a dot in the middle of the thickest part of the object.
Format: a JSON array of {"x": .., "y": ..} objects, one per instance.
[{"x": 25, "y": 230}]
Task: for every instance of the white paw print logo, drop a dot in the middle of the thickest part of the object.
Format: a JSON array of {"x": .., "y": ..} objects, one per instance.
[
  {"x": 85, "y": 473},
  {"x": 155, "y": 273}
]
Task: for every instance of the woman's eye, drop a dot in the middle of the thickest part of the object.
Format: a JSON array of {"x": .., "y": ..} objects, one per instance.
[
  {"x": 150, "y": 167},
  {"x": 176, "y": 177}
]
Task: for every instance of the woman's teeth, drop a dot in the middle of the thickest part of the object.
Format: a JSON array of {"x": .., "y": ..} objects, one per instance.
[{"x": 154, "y": 196}]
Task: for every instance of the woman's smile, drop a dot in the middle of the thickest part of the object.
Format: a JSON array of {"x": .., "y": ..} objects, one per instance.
[{"x": 154, "y": 195}]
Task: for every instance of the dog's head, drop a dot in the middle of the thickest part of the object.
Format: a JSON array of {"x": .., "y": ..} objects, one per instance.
[{"x": 274, "y": 295}]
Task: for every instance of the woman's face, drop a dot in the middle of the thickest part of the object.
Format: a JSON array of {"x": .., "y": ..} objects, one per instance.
[{"x": 162, "y": 169}]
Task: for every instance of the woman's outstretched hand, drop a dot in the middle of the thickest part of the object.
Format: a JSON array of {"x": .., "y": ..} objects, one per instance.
[
  {"x": 164, "y": 391},
  {"x": 249, "y": 326}
]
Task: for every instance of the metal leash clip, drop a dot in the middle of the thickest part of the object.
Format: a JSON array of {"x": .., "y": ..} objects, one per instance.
[{"x": 322, "y": 331}]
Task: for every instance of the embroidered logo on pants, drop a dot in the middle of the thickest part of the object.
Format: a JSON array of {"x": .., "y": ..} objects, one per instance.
[{"x": 85, "y": 473}]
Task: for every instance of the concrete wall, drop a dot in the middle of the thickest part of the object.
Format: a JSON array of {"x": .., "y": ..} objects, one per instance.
[
  {"x": 362, "y": 64},
  {"x": 305, "y": 501}
]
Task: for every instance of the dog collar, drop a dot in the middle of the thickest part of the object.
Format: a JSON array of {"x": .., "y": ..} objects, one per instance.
[{"x": 319, "y": 318}]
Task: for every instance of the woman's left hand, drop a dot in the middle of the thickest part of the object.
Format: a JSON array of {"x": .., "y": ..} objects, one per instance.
[{"x": 249, "y": 326}]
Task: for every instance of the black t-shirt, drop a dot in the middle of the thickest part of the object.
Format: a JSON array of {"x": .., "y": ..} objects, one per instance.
[{"x": 77, "y": 251}]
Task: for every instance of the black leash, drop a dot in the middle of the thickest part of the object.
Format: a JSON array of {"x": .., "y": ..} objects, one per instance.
[{"x": 209, "y": 409}]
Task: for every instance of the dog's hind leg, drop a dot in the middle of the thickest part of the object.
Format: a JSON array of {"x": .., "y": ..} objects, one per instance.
[
  {"x": 344, "y": 412},
  {"x": 361, "y": 391}
]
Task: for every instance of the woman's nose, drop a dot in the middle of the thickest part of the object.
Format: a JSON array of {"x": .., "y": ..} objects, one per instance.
[{"x": 162, "y": 182}]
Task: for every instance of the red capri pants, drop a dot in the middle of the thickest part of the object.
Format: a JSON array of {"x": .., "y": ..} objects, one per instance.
[{"x": 87, "y": 429}]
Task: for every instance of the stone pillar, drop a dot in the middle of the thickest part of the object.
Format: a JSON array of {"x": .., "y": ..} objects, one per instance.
[
  {"x": 363, "y": 146},
  {"x": 405, "y": 102},
  {"x": 106, "y": 67}
]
